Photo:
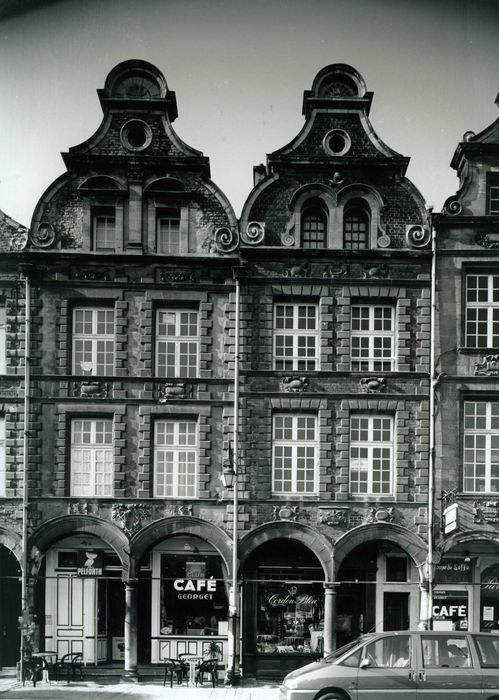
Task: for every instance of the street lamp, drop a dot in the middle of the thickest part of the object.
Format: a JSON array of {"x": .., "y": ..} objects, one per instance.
[{"x": 228, "y": 476}]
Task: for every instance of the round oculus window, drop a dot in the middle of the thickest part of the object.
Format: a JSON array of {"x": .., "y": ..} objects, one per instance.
[
  {"x": 136, "y": 135},
  {"x": 337, "y": 142}
]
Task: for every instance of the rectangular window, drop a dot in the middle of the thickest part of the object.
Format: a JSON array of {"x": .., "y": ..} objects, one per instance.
[
  {"x": 295, "y": 336},
  {"x": 482, "y": 311},
  {"x": 93, "y": 341},
  {"x": 3, "y": 341},
  {"x": 92, "y": 468},
  {"x": 372, "y": 338},
  {"x": 494, "y": 200},
  {"x": 294, "y": 454},
  {"x": 175, "y": 459},
  {"x": 3, "y": 480},
  {"x": 481, "y": 447},
  {"x": 104, "y": 228},
  {"x": 168, "y": 231},
  {"x": 177, "y": 342},
  {"x": 371, "y": 455}
]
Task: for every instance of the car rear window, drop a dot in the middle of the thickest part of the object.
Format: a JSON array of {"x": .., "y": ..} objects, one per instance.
[{"x": 488, "y": 651}]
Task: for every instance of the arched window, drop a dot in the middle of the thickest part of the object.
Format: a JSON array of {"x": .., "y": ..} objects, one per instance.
[
  {"x": 356, "y": 228},
  {"x": 313, "y": 225}
]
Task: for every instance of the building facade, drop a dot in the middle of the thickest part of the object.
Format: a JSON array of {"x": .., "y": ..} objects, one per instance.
[
  {"x": 467, "y": 371},
  {"x": 150, "y": 342}
]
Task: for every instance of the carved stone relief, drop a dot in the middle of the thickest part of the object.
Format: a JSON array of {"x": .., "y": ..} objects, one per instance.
[
  {"x": 94, "y": 390},
  {"x": 372, "y": 385},
  {"x": 129, "y": 516},
  {"x": 285, "y": 512},
  {"x": 488, "y": 367},
  {"x": 335, "y": 517},
  {"x": 294, "y": 384}
]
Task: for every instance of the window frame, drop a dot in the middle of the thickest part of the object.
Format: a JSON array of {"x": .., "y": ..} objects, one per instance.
[
  {"x": 313, "y": 208},
  {"x": 93, "y": 448},
  {"x": 176, "y": 340},
  {"x": 488, "y": 433},
  {"x": 161, "y": 216},
  {"x": 490, "y": 306},
  {"x": 356, "y": 207},
  {"x": 106, "y": 212},
  {"x": 295, "y": 444},
  {"x": 94, "y": 338},
  {"x": 3, "y": 454},
  {"x": 295, "y": 334},
  {"x": 370, "y": 445},
  {"x": 371, "y": 335},
  {"x": 3, "y": 338},
  {"x": 176, "y": 448}
]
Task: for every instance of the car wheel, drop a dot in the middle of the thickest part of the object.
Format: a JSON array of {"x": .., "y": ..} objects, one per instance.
[{"x": 331, "y": 696}]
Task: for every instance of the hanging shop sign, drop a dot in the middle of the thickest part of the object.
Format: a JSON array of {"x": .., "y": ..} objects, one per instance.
[
  {"x": 451, "y": 519},
  {"x": 89, "y": 563},
  {"x": 195, "y": 589},
  {"x": 453, "y": 571}
]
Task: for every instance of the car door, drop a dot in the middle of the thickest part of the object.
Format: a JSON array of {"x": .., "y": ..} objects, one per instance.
[
  {"x": 447, "y": 668},
  {"x": 487, "y": 647},
  {"x": 387, "y": 669}
]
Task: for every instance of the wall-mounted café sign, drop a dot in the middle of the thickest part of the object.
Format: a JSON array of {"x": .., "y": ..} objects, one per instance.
[
  {"x": 89, "y": 563},
  {"x": 453, "y": 571},
  {"x": 195, "y": 589}
]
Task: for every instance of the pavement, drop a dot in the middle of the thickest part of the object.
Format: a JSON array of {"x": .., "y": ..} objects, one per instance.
[{"x": 10, "y": 689}]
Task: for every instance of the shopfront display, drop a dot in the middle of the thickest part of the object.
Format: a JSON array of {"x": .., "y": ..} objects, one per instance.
[{"x": 489, "y": 599}]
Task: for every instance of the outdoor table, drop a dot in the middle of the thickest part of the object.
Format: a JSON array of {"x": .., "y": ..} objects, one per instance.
[
  {"x": 49, "y": 657},
  {"x": 192, "y": 661}
]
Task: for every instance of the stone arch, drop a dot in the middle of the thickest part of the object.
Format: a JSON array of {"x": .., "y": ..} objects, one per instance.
[
  {"x": 465, "y": 538},
  {"x": 13, "y": 542},
  {"x": 159, "y": 530},
  {"x": 317, "y": 543},
  {"x": 57, "y": 528},
  {"x": 411, "y": 543}
]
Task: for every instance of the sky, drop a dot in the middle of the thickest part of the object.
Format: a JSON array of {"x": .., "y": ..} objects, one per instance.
[{"x": 239, "y": 69}]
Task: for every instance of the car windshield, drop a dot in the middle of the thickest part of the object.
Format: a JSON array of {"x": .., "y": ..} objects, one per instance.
[{"x": 346, "y": 648}]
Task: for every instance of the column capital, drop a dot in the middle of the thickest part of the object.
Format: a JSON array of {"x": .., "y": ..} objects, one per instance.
[
  {"x": 131, "y": 582},
  {"x": 331, "y": 586}
]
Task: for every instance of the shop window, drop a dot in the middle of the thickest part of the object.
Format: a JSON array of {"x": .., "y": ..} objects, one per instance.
[
  {"x": 372, "y": 338},
  {"x": 482, "y": 311},
  {"x": 3, "y": 480},
  {"x": 92, "y": 468},
  {"x": 356, "y": 225},
  {"x": 294, "y": 454},
  {"x": 177, "y": 342},
  {"x": 93, "y": 341},
  {"x": 389, "y": 652},
  {"x": 67, "y": 560},
  {"x": 3, "y": 340},
  {"x": 175, "y": 459},
  {"x": 168, "y": 231},
  {"x": 481, "y": 447},
  {"x": 193, "y": 596},
  {"x": 314, "y": 225},
  {"x": 290, "y": 617},
  {"x": 371, "y": 455},
  {"x": 489, "y": 599},
  {"x": 104, "y": 228},
  {"x": 296, "y": 336}
]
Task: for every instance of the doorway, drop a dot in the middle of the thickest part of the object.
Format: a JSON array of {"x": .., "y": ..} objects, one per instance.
[{"x": 10, "y": 608}]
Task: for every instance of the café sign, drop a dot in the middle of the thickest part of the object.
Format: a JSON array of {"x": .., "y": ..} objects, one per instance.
[{"x": 195, "y": 589}]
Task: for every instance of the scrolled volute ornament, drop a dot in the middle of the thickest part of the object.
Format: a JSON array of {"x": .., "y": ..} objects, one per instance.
[
  {"x": 254, "y": 234},
  {"x": 417, "y": 236},
  {"x": 44, "y": 235},
  {"x": 452, "y": 206},
  {"x": 226, "y": 240}
]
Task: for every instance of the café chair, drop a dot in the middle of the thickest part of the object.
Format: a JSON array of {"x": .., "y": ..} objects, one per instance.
[
  {"x": 208, "y": 666},
  {"x": 70, "y": 664},
  {"x": 33, "y": 668},
  {"x": 175, "y": 668}
]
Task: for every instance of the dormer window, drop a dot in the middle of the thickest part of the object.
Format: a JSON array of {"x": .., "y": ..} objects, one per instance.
[
  {"x": 356, "y": 226},
  {"x": 104, "y": 228},
  {"x": 168, "y": 231},
  {"x": 314, "y": 225}
]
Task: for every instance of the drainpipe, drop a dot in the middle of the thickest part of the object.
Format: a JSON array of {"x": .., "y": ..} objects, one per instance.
[
  {"x": 431, "y": 462},
  {"x": 232, "y": 671},
  {"x": 26, "y": 619}
]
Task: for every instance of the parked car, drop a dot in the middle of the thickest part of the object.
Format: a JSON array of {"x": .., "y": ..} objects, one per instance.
[{"x": 404, "y": 666}]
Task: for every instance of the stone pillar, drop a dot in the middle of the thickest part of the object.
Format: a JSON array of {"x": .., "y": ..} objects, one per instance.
[
  {"x": 329, "y": 617},
  {"x": 425, "y": 606},
  {"x": 130, "y": 672}
]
